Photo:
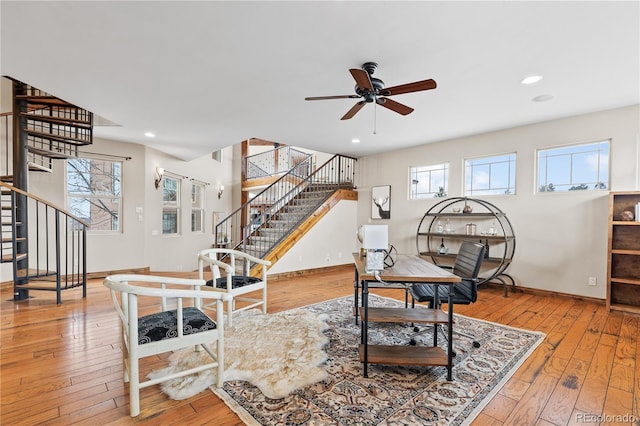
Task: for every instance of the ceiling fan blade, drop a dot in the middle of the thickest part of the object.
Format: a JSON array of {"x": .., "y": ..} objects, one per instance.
[
  {"x": 362, "y": 78},
  {"x": 394, "y": 106},
  {"x": 409, "y": 87},
  {"x": 320, "y": 98},
  {"x": 354, "y": 109}
]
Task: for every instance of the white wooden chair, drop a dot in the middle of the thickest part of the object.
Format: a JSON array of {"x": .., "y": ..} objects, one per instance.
[
  {"x": 172, "y": 320},
  {"x": 234, "y": 282}
]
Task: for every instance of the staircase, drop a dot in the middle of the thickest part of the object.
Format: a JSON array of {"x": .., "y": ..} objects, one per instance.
[
  {"x": 40, "y": 129},
  {"x": 288, "y": 208}
]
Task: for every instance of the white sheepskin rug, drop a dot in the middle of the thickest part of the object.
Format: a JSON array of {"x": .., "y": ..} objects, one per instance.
[{"x": 278, "y": 353}]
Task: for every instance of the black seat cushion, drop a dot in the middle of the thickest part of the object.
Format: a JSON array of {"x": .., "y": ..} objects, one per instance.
[
  {"x": 237, "y": 281},
  {"x": 164, "y": 325},
  {"x": 463, "y": 293}
]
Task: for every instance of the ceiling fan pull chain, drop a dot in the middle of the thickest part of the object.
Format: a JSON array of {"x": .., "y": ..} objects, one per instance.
[{"x": 375, "y": 108}]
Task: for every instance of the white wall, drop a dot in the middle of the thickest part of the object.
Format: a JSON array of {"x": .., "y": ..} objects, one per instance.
[
  {"x": 561, "y": 238},
  {"x": 141, "y": 243},
  {"x": 330, "y": 242}
]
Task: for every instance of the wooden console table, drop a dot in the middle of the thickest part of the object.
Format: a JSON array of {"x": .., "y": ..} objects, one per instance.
[{"x": 407, "y": 270}]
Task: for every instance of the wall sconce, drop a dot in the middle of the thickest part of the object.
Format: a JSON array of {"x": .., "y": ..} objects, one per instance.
[
  {"x": 159, "y": 174},
  {"x": 220, "y": 191}
]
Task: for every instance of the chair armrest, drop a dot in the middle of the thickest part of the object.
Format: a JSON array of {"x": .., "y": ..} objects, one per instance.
[
  {"x": 250, "y": 257},
  {"x": 203, "y": 257},
  {"x": 122, "y": 284}
]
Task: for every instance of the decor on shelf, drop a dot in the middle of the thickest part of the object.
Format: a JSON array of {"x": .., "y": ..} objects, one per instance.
[
  {"x": 627, "y": 216},
  {"x": 391, "y": 394},
  {"x": 381, "y": 202}
]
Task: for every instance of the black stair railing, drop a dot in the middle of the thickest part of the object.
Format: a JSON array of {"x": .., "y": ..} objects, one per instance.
[
  {"x": 53, "y": 256},
  {"x": 269, "y": 217}
]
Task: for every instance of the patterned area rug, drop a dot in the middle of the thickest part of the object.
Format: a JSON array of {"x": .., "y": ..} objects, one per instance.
[{"x": 391, "y": 395}]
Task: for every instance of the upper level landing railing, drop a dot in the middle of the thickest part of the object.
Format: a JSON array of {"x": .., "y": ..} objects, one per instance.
[{"x": 274, "y": 162}]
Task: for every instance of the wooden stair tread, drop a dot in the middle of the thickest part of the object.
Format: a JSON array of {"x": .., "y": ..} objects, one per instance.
[
  {"x": 69, "y": 122},
  {"x": 68, "y": 140},
  {"x": 50, "y": 154},
  {"x": 9, "y": 258}
]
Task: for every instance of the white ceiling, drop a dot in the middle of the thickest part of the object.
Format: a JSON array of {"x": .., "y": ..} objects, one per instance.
[{"x": 208, "y": 74}]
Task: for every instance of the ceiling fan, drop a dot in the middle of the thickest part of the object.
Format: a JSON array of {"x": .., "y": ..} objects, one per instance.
[{"x": 371, "y": 89}]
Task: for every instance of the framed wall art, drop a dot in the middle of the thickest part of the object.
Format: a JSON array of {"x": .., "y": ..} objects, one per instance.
[{"x": 381, "y": 202}]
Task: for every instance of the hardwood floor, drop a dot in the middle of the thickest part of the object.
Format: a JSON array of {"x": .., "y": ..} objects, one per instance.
[{"x": 60, "y": 364}]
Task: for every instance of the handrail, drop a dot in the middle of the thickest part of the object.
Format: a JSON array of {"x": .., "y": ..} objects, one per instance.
[
  {"x": 271, "y": 204},
  {"x": 26, "y": 241},
  {"x": 43, "y": 201}
]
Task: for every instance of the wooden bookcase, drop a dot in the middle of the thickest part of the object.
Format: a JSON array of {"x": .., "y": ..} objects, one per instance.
[{"x": 623, "y": 262}]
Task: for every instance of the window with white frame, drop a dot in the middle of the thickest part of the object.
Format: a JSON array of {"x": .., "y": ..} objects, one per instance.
[
  {"x": 490, "y": 175},
  {"x": 428, "y": 181},
  {"x": 94, "y": 192},
  {"x": 170, "y": 205},
  {"x": 574, "y": 167},
  {"x": 197, "y": 207}
]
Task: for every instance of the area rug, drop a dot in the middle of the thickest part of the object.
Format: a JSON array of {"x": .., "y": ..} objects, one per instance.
[
  {"x": 391, "y": 395},
  {"x": 277, "y": 353}
]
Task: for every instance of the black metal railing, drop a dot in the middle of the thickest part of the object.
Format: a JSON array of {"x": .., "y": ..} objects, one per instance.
[
  {"x": 265, "y": 220},
  {"x": 274, "y": 162},
  {"x": 52, "y": 256}
]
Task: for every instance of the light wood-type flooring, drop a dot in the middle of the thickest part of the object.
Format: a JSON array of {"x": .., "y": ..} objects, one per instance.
[{"x": 60, "y": 364}]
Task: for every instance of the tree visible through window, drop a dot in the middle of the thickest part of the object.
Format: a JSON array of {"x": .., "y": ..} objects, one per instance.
[
  {"x": 428, "y": 181},
  {"x": 490, "y": 175},
  {"x": 574, "y": 168},
  {"x": 94, "y": 192}
]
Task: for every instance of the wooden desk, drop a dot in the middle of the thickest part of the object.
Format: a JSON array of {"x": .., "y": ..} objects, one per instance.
[{"x": 407, "y": 270}]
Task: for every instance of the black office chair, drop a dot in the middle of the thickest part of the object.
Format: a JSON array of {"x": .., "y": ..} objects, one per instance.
[{"x": 467, "y": 267}]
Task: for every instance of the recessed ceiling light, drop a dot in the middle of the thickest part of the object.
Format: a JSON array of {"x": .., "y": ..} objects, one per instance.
[
  {"x": 542, "y": 98},
  {"x": 150, "y": 135},
  {"x": 355, "y": 140},
  {"x": 531, "y": 79}
]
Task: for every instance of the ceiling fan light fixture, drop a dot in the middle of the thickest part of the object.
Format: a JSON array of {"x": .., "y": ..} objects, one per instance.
[{"x": 531, "y": 79}]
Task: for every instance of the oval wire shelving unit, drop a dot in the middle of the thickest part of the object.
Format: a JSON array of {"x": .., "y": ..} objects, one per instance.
[{"x": 502, "y": 243}]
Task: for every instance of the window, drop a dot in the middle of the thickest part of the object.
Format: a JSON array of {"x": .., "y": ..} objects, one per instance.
[
  {"x": 490, "y": 175},
  {"x": 170, "y": 205},
  {"x": 428, "y": 181},
  {"x": 94, "y": 192},
  {"x": 574, "y": 168},
  {"x": 197, "y": 207}
]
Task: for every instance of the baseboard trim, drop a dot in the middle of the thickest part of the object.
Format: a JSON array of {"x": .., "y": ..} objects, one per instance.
[
  {"x": 303, "y": 272},
  {"x": 97, "y": 275},
  {"x": 540, "y": 292}
]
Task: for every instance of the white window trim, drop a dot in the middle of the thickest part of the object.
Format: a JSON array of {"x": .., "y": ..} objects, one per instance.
[
  {"x": 536, "y": 168},
  {"x": 515, "y": 174}
]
